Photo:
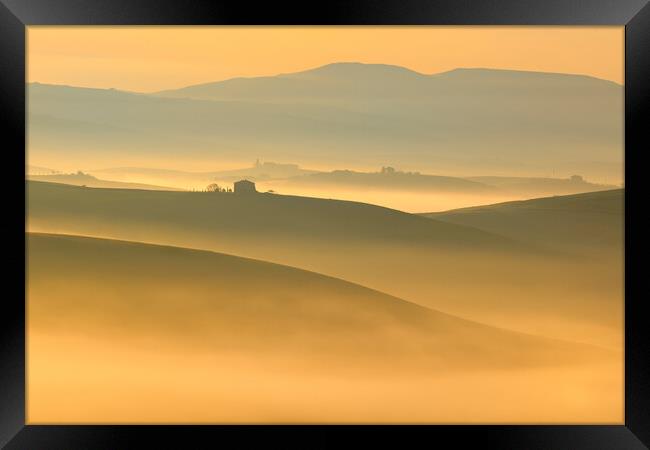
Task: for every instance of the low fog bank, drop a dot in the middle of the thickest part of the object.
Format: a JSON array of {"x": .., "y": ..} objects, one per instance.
[
  {"x": 77, "y": 379},
  {"x": 117, "y": 329},
  {"x": 409, "y": 191},
  {"x": 229, "y": 302}
]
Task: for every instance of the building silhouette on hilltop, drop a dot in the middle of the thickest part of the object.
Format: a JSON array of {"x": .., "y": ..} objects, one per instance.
[{"x": 245, "y": 187}]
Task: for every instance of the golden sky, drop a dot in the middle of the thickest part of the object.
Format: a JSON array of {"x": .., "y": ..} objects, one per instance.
[{"x": 151, "y": 58}]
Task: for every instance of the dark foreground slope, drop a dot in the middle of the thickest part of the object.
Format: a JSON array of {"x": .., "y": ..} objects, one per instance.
[{"x": 249, "y": 220}]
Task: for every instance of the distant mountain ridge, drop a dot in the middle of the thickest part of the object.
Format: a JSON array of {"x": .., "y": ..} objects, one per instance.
[
  {"x": 475, "y": 120},
  {"x": 383, "y": 79}
]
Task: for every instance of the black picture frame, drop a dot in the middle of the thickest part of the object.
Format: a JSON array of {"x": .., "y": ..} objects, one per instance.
[{"x": 15, "y": 15}]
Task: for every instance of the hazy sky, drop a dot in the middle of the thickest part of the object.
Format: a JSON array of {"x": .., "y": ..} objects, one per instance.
[{"x": 155, "y": 58}]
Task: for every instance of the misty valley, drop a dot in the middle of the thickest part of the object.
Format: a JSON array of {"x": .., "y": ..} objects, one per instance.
[
  {"x": 354, "y": 243},
  {"x": 297, "y": 294}
]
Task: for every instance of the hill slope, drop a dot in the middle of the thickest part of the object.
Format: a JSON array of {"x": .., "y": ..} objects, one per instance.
[
  {"x": 453, "y": 268},
  {"x": 91, "y": 181},
  {"x": 414, "y": 182},
  {"x": 588, "y": 223},
  {"x": 256, "y": 218},
  {"x": 130, "y": 333},
  {"x": 101, "y": 287},
  {"x": 529, "y": 187}
]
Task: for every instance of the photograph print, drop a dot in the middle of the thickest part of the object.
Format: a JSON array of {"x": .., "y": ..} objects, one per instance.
[{"x": 325, "y": 224}]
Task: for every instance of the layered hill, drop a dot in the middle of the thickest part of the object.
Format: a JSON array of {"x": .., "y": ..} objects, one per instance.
[
  {"x": 86, "y": 180},
  {"x": 124, "y": 332},
  {"x": 465, "y": 120},
  {"x": 257, "y": 219},
  {"x": 453, "y": 268},
  {"x": 37, "y": 170},
  {"x": 260, "y": 171},
  {"x": 388, "y": 187},
  {"x": 393, "y": 180},
  {"x": 218, "y": 302},
  {"x": 587, "y": 223},
  {"x": 342, "y": 83}
]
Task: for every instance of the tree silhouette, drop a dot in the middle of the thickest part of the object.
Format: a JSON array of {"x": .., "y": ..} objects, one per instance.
[{"x": 213, "y": 187}]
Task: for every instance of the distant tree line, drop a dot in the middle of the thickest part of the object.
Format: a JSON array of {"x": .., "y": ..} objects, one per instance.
[
  {"x": 391, "y": 171},
  {"x": 214, "y": 187}
]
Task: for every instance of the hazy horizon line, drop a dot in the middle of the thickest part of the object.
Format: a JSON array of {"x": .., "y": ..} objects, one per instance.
[
  {"x": 280, "y": 74},
  {"x": 369, "y": 170}
]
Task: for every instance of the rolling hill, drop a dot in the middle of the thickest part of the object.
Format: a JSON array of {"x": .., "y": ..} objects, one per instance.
[
  {"x": 394, "y": 180},
  {"x": 586, "y": 223},
  {"x": 98, "y": 287},
  {"x": 291, "y": 176},
  {"x": 36, "y": 170},
  {"x": 256, "y": 219},
  {"x": 541, "y": 187},
  {"x": 417, "y": 192},
  {"x": 258, "y": 171},
  {"x": 454, "y": 268},
  {"x": 389, "y": 187},
  {"x": 129, "y": 333},
  {"x": 347, "y": 82},
  {"x": 87, "y": 180},
  {"x": 466, "y": 120}
]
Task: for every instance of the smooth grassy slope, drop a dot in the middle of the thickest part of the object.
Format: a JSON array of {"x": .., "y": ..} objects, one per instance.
[
  {"x": 386, "y": 114},
  {"x": 456, "y": 269},
  {"x": 140, "y": 333},
  {"x": 590, "y": 223},
  {"x": 258, "y": 219}
]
